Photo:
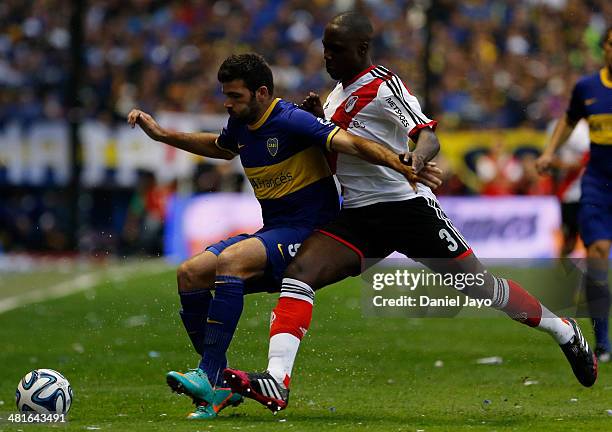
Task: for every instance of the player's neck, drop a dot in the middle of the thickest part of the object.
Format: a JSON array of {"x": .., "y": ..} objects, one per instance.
[
  {"x": 262, "y": 111},
  {"x": 356, "y": 73}
]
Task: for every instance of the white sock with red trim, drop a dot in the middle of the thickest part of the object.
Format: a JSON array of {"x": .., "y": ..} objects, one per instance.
[
  {"x": 289, "y": 323},
  {"x": 281, "y": 357},
  {"x": 521, "y": 306}
]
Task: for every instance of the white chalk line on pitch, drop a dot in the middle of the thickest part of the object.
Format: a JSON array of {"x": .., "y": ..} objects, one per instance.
[{"x": 80, "y": 283}]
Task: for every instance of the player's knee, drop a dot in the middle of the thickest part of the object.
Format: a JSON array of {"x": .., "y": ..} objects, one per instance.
[
  {"x": 299, "y": 271},
  {"x": 191, "y": 277},
  {"x": 599, "y": 250},
  {"x": 186, "y": 277},
  {"x": 568, "y": 246},
  {"x": 232, "y": 263}
]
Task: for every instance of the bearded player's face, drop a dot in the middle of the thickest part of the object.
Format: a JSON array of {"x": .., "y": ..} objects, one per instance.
[{"x": 240, "y": 102}]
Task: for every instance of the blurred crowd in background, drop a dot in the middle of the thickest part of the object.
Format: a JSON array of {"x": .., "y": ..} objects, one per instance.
[{"x": 491, "y": 64}]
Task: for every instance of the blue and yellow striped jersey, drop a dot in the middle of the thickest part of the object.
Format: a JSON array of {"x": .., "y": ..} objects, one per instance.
[
  {"x": 592, "y": 100},
  {"x": 284, "y": 160}
]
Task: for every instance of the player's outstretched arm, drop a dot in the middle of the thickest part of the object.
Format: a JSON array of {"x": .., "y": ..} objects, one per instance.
[
  {"x": 562, "y": 131},
  {"x": 200, "y": 143},
  {"x": 344, "y": 142}
]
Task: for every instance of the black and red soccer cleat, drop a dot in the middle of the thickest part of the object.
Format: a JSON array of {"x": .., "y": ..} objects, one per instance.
[
  {"x": 258, "y": 386},
  {"x": 581, "y": 358}
]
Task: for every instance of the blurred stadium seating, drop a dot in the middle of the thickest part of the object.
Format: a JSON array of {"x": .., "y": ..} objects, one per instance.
[{"x": 491, "y": 64}]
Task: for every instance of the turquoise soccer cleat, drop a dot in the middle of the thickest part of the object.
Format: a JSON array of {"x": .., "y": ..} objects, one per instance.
[
  {"x": 223, "y": 397},
  {"x": 194, "y": 384}
]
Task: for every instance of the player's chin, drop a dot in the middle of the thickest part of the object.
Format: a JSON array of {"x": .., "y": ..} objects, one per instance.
[
  {"x": 237, "y": 115},
  {"x": 332, "y": 72}
]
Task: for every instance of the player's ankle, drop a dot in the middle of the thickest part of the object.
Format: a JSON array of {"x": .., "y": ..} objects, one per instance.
[{"x": 280, "y": 377}]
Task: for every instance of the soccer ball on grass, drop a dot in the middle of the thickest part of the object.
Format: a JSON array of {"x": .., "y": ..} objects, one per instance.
[{"x": 44, "y": 391}]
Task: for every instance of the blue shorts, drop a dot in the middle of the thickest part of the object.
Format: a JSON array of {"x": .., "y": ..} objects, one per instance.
[
  {"x": 595, "y": 222},
  {"x": 281, "y": 245}
]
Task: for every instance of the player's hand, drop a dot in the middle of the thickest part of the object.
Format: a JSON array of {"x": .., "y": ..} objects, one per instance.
[
  {"x": 313, "y": 105},
  {"x": 544, "y": 163},
  {"x": 430, "y": 175},
  {"x": 415, "y": 161},
  {"x": 146, "y": 123},
  {"x": 405, "y": 168}
]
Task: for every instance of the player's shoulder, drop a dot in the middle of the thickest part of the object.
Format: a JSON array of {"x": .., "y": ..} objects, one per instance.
[
  {"x": 287, "y": 112},
  {"x": 285, "y": 106},
  {"x": 383, "y": 72},
  {"x": 391, "y": 85},
  {"x": 291, "y": 117},
  {"x": 588, "y": 80}
]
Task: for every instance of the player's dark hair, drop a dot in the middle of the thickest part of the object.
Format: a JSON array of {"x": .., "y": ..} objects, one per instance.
[
  {"x": 604, "y": 36},
  {"x": 250, "y": 68},
  {"x": 356, "y": 23}
]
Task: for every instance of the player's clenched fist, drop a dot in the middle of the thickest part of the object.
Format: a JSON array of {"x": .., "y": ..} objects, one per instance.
[
  {"x": 146, "y": 123},
  {"x": 312, "y": 104},
  {"x": 543, "y": 163},
  {"x": 430, "y": 175}
]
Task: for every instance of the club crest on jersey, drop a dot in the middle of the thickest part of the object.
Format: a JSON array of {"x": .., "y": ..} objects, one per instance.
[
  {"x": 350, "y": 103},
  {"x": 272, "y": 145}
]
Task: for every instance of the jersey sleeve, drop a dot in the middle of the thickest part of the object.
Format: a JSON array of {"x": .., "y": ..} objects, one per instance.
[
  {"x": 576, "y": 109},
  {"x": 227, "y": 138},
  {"x": 318, "y": 130},
  {"x": 402, "y": 108}
]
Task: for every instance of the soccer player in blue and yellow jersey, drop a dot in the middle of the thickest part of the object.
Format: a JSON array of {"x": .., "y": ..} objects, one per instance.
[
  {"x": 282, "y": 149},
  {"x": 592, "y": 99}
]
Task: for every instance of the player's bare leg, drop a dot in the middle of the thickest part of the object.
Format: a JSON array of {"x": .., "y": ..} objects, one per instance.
[
  {"x": 237, "y": 263},
  {"x": 569, "y": 243},
  {"x": 197, "y": 272},
  {"x": 320, "y": 261},
  {"x": 195, "y": 279},
  {"x": 598, "y": 295},
  {"x": 509, "y": 297},
  {"x": 225, "y": 272}
]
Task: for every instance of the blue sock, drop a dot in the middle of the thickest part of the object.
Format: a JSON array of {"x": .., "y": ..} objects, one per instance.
[
  {"x": 193, "y": 314},
  {"x": 598, "y": 297},
  {"x": 600, "y": 328},
  {"x": 223, "y": 316}
]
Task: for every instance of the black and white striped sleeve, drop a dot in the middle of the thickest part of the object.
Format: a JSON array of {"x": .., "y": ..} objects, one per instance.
[{"x": 402, "y": 108}]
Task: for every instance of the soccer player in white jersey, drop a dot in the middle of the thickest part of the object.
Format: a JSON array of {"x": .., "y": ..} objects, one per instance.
[{"x": 381, "y": 214}]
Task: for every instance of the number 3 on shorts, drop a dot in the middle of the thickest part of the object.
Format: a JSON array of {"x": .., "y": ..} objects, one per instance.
[{"x": 445, "y": 235}]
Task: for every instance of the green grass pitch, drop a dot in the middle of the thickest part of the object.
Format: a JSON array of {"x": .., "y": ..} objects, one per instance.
[{"x": 116, "y": 341}]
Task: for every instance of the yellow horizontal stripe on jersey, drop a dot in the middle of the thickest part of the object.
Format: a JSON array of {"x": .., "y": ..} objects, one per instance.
[
  {"x": 600, "y": 128},
  {"x": 290, "y": 175}
]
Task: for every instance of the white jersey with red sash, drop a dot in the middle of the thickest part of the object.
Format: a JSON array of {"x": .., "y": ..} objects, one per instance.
[
  {"x": 575, "y": 149},
  {"x": 376, "y": 105}
]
